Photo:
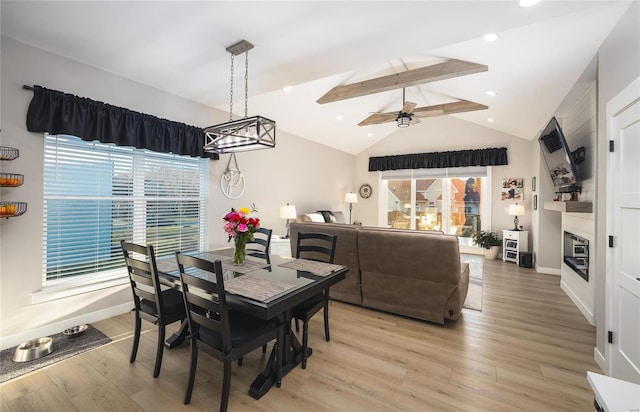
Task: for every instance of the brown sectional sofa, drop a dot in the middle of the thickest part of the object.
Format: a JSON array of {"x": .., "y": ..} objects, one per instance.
[{"x": 411, "y": 273}]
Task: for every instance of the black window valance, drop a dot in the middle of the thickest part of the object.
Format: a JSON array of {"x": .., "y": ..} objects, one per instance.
[
  {"x": 61, "y": 113},
  {"x": 460, "y": 158}
]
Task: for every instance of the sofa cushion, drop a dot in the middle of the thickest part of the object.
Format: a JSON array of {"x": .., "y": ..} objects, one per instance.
[{"x": 315, "y": 217}]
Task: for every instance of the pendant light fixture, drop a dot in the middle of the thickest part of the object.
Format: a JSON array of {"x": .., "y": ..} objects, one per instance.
[{"x": 248, "y": 133}]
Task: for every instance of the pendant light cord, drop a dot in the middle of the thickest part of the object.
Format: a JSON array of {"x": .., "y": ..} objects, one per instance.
[{"x": 246, "y": 84}]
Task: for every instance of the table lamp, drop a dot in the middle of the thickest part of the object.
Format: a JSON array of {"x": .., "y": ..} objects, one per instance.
[
  {"x": 516, "y": 210},
  {"x": 287, "y": 212},
  {"x": 350, "y": 198}
]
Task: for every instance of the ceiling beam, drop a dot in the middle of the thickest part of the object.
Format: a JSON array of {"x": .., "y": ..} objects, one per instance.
[
  {"x": 435, "y": 72},
  {"x": 427, "y": 111},
  {"x": 448, "y": 108}
]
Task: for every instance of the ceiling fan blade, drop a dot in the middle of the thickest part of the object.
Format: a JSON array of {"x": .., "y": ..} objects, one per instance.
[
  {"x": 415, "y": 120},
  {"x": 448, "y": 108},
  {"x": 378, "y": 118},
  {"x": 435, "y": 72},
  {"x": 408, "y": 107}
]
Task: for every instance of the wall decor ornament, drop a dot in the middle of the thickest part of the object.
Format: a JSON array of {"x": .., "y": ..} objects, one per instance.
[
  {"x": 513, "y": 189},
  {"x": 232, "y": 182},
  {"x": 365, "y": 191}
]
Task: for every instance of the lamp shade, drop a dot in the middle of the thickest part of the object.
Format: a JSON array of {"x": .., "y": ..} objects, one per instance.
[
  {"x": 288, "y": 211},
  {"x": 351, "y": 197},
  {"x": 516, "y": 210}
]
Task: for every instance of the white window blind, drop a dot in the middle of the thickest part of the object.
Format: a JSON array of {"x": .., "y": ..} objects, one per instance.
[{"x": 96, "y": 195}]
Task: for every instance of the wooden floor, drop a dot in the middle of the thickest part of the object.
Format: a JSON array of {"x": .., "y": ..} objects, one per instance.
[{"x": 529, "y": 349}]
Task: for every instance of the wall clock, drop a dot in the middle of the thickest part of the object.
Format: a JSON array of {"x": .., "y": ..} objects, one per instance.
[{"x": 365, "y": 191}]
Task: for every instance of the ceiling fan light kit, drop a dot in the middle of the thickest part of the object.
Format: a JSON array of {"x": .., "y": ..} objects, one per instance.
[
  {"x": 403, "y": 120},
  {"x": 248, "y": 133}
]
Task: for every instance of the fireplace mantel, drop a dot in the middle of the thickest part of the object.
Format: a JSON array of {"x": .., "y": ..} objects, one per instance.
[{"x": 569, "y": 206}]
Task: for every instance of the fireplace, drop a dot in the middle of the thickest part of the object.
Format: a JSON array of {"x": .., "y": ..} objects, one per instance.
[{"x": 576, "y": 254}]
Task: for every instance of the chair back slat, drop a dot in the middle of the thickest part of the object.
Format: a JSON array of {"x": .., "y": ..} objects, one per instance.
[
  {"x": 316, "y": 246},
  {"x": 205, "y": 299},
  {"x": 259, "y": 246},
  {"x": 145, "y": 294},
  {"x": 141, "y": 266}
]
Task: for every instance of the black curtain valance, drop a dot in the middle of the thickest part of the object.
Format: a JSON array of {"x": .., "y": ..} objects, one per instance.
[
  {"x": 460, "y": 158},
  {"x": 61, "y": 113}
]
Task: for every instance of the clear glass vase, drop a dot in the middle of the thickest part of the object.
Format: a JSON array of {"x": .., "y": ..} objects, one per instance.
[{"x": 240, "y": 252}]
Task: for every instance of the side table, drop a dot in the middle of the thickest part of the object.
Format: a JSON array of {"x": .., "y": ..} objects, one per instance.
[{"x": 280, "y": 246}]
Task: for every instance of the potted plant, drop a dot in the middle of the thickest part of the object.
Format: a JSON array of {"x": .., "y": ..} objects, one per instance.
[{"x": 489, "y": 241}]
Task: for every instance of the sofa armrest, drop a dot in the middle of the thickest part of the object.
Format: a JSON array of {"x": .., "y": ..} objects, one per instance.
[{"x": 456, "y": 300}]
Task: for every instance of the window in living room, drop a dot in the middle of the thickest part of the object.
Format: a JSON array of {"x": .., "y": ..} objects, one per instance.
[
  {"x": 98, "y": 194},
  {"x": 448, "y": 200}
]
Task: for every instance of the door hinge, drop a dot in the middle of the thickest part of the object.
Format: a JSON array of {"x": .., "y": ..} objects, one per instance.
[
  {"x": 611, "y": 145},
  {"x": 610, "y": 338},
  {"x": 610, "y": 241}
]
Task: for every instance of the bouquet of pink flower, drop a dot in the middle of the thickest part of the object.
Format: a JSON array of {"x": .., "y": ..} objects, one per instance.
[
  {"x": 241, "y": 228},
  {"x": 238, "y": 224}
]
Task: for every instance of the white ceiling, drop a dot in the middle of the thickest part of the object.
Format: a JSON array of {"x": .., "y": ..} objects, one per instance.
[{"x": 179, "y": 47}]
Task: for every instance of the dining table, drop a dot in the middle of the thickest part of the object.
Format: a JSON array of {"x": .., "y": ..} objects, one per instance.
[{"x": 267, "y": 289}]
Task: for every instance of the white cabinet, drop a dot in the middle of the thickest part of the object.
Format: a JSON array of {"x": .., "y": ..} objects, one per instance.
[
  {"x": 281, "y": 247},
  {"x": 514, "y": 243}
]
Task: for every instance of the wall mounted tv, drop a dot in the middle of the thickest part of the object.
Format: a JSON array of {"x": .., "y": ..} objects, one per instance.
[{"x": 559, "y": 159}]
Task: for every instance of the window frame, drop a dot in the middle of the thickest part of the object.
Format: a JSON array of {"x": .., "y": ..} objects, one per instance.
[{"x": 93, "y": 281}]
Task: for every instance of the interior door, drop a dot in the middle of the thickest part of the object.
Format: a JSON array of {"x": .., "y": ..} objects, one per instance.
[{"x": 623, "y": 259}]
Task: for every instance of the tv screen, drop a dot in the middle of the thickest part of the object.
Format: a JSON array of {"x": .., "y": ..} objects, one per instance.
[{"x": 557, "y": 155}]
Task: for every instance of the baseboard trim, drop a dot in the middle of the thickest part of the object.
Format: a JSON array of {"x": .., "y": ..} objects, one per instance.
[
  {"x": 581, "y": 306},
  {"x": 548, "y": 271},
  {"x": 601, "y": 360},
  {"x": 57, "y": 327}
]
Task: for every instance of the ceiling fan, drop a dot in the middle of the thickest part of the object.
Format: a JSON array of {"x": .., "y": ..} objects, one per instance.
[{"x": 410, "y": 114}]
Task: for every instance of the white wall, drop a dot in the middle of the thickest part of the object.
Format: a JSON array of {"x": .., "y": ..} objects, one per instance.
[
  {"x": 446, "y": 133},
  {"x": 307, "y": 174}
]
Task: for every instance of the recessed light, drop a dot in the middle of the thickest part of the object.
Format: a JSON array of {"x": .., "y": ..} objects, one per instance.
[
  {"x": 287, "y": 89},
  {"x": 491, "y": 93},
  {"x": 370, "y": 134},
  {"x": 490, "y": 120},
  {"x": 339, "y": 117},
  {"x": 490, "y": 37},
  {"x": 529, "y": 3}
]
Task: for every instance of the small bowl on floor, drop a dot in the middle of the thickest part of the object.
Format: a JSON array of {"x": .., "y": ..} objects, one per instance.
[
  {"x": 75, "y": 331},
  {"x": 33, "y": 349}
]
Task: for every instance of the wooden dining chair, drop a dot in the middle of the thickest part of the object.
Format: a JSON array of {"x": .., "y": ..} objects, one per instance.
[
  {"x": 151, "y": 303},
  {"x": 259, "y": 246},
  {"x": 319, "y": 247},
  {"x": 225, "y": 334}
]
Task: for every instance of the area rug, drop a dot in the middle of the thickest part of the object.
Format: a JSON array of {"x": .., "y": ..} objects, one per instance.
[
  {"x": 474, "y": 295},
  {"x": 63, "y": 347}
]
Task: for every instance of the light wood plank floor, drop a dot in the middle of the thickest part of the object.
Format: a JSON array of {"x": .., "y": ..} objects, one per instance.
[{"x": 529, "y": 349}]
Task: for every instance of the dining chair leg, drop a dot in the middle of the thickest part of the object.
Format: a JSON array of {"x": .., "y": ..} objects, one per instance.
[
  {"x": 136, "y": 339},
  {"x": 305, "y": 342},
  {"x": 159, "y": 351},
  {"x": 297, "y": 326},
  {"x": 192, "y": 371},
  {"x": 226, "y": 385},
  {"x": 264, "y": 348}
]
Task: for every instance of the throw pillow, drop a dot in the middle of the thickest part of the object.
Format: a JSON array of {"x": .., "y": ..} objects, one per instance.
[{"x": 316, "y": 217}]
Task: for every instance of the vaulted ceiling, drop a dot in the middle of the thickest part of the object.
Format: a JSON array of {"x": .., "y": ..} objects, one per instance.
[{"x": 313, "y": 46}]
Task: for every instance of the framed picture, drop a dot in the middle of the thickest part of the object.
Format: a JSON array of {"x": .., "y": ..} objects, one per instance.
[
  {"x": 535, "y": 202},
  {"x": 513, "y": 189},
  {"x": 533, "y": 184}
]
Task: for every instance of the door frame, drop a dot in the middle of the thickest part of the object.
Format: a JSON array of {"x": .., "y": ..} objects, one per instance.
[{"x": 624, "y": 99}]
